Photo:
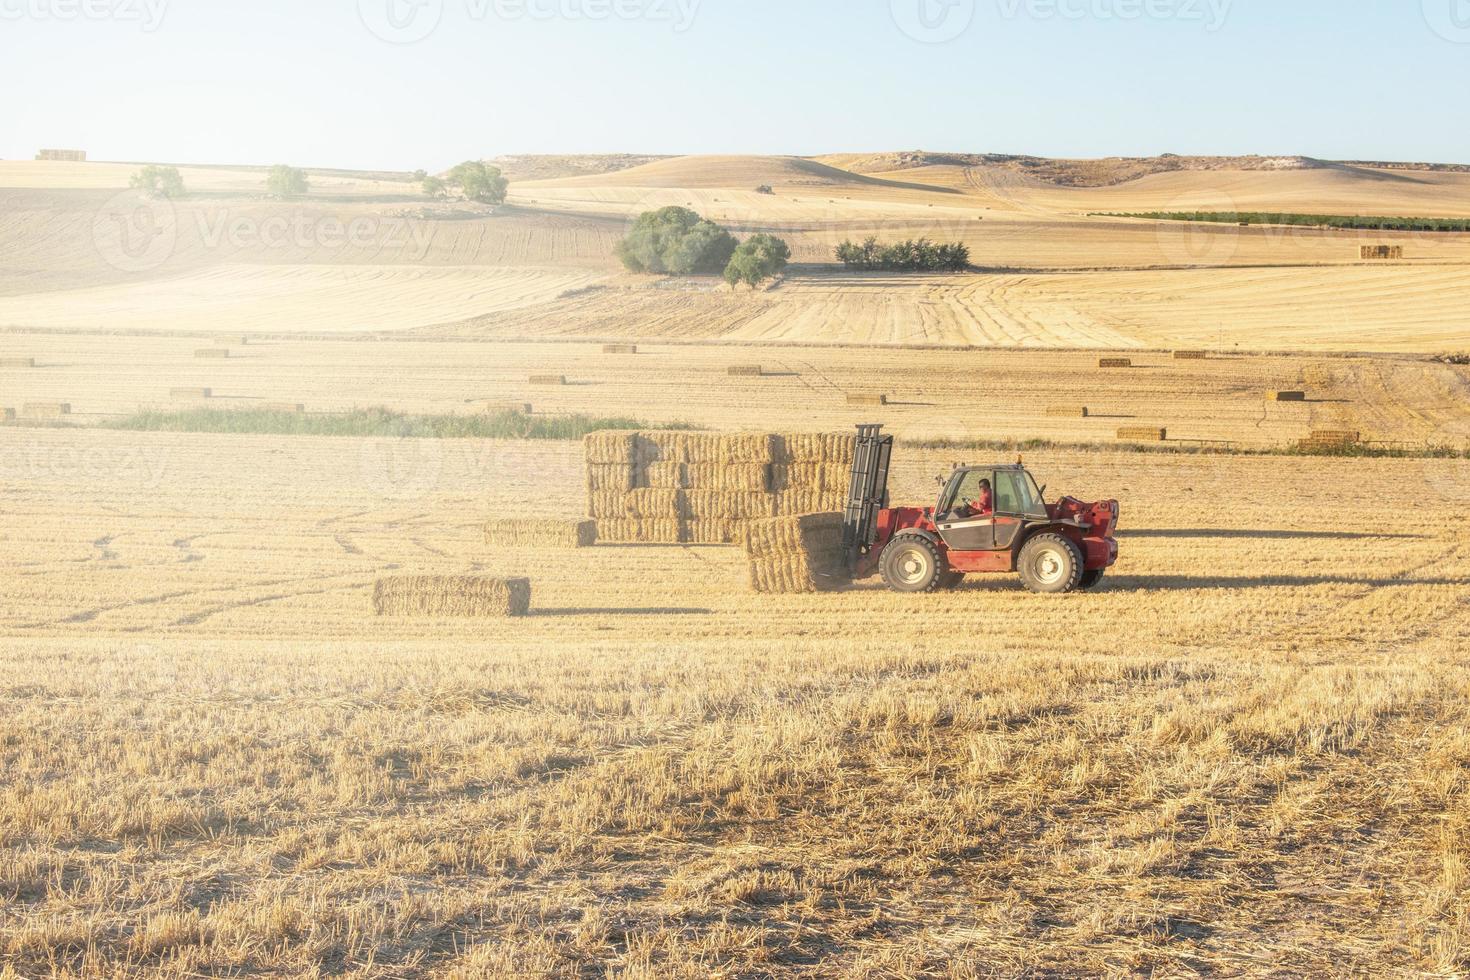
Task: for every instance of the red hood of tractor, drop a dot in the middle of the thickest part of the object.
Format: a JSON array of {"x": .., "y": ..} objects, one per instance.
[{"x": 1101, "y": 515}]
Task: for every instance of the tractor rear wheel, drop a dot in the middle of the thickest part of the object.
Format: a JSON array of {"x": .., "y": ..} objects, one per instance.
[
  {"x": 1051, "y": 564},
  {"x": 1091, "y": 580},
  {"x": 912, "y": 563}
]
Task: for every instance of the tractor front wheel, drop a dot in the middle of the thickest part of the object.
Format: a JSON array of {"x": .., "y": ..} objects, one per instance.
[
  {"x": 912, "y": 564},
  {"x": 1051, "y": 564}
]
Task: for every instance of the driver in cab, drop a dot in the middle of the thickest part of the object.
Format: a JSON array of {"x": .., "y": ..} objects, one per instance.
[{"x": 982, "y": 506}]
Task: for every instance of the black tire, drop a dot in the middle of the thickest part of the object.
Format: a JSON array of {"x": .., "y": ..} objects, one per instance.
[
  {"x": 951, "y": 580},
  {"x": 912, "y": 563},
  {"x": 1050, "y": 564},
  {"x": 1091, "y": 580}
]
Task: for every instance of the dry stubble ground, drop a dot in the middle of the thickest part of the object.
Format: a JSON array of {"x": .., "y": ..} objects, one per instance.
[{"x": 1248, "y": 755}]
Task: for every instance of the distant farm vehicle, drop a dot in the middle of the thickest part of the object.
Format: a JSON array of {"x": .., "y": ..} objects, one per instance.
[{"x": 1056, "y": 548}]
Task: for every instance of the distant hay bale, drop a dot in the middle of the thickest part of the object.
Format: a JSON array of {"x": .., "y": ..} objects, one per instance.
[
  {"x": 1330, "y": 439},
  {"x": 1191, "y": 355},
  {"x": 866, "y": 399},
  {"x": 17, "y": 362},
  {"x": 451, "y": 596},
  {"x": 1381, "y": 252},
  {"x": 796, "y": 555},
  {"x": 635, "y": 531},
  {"x": 1142, "y": 434},
  {"x": 212, "y": 352},
  {"x": 549, "y": 379},
  {"x": 745, "y": 371},
  {"x": 513, "y": 533},
  {"x": 1115, "y": 362},
  {"x": 45, "y": 410},
  {"x": 242, "y": 341},
  {"x": 1067, "y": 411},
  {"x": 508, "y": 408},
  {"x": 292, "y": 408},
  {"x": 620, "y": 348},
  {"x": 190, "y": 393},
  {"x": 1288, "y": 396},
  {"x": 66, "y": 156}
]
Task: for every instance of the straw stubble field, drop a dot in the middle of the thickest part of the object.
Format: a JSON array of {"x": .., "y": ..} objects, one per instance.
[{"x": 1249, "y": 754}]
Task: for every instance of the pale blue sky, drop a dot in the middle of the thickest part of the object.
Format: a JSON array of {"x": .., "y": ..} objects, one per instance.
[{"x": 311, "y": 84}]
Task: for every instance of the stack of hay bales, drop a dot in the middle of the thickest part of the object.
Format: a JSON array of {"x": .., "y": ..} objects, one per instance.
[
  {"x": 745, "y": 371},
  {"x": 702, "y": 488},
  {"x": 513, "y": 533},
  {"x": 461, "y": 596},
  {"x": 796, "y": 554}
]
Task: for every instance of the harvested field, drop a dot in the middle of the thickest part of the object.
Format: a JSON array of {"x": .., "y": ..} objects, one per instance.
[
  {"x": 451, "y": 596},
  {"x": 1273, "y": 700}
]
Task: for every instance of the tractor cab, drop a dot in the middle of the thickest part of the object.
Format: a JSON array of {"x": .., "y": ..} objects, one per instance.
[{"x": 987, "y": 519}]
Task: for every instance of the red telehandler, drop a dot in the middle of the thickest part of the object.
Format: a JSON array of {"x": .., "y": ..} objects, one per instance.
[{"x": 1056, "y": 548}]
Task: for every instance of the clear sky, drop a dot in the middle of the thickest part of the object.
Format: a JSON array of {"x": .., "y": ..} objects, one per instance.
[{"x": 315, "y": 83}]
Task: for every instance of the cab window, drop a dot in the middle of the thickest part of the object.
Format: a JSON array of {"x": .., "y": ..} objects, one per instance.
[
  {"x": 968, "y": 488},
  {"x": 1015, "y": 493}
]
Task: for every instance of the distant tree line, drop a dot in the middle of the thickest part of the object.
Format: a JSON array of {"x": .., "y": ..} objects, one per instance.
[
  {"x": 1356, "y": 222},
  {"x": 919, "y": 255},
  {"x": 676, "y": 241}
]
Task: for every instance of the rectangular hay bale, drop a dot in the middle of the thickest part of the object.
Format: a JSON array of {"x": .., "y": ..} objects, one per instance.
[
  {"x": 190, "y": 393},
  {"x": 629, "y": 530},
  {"x": 513, "y": 533},
  {"x": 291, "y": 408},
  {"x": 212, "y": 352},
  {"x": 795, "y": 555},
  {"x": 866, "y": 399},
  {"x": 1289, "y": 396},
  {"x": 1140, "y": 433},
  {"x": 1115, "y": 362},
  {"x": 745, "y": 371},
  {"x": 620, "y": 348},
  {"x": 548, "y": 379},
  {"x": 45, "y": 410},
  {"x": 1191, "y": 355},
  {"x": 451, "y": 596},
  {"x": 17, "y": 362},
  {"x": 1067, "y": 412}
]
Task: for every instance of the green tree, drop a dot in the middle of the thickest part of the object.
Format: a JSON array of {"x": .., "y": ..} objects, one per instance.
[
  {"x": 434, "y": 187},
  {"x": 420, "y": 176},
  {"x": 154, "y": 181},
  {"x": 676, "y": 241},
  {"x": 757, "y": 259},
  {"x": 286, "y": 182},
  {"x": 479, "y": 182}
]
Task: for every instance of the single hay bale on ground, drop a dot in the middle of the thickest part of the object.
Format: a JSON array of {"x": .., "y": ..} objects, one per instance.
[
  {"x": 1330, "y": 439},
  {"x": 1380, "y": 251},
  {"x": 1139, "y": 433},
  {"x": 190, "y": 393},
  {"x": 45, "y": 410},
  {"x": 212, "y": 352},
  {"x": 462, "y": 596},
  {"x": 865, "y": 399},
  {"x": 291, "y": 408},
  {"x": 508, "y": 408},
  {"x": 1288, "y": 396},
  {"x": 1067, "y": 411},
  {"x": 635, "y": 531},
  {"x": 620, "y": 348},
  {"x": 548, "y": 379},
  {"x": 745, "y": 371},
  {"x": 17, "y": 362},
  {"x": 513, "y": 533},
  {"x": 1190, "y": 355},
  {"x": 1115, "y": 362}
]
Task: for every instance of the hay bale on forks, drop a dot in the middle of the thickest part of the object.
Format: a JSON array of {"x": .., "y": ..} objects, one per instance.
[
  {"x": 451, "y": 596},
  {"x": 512, "y": 533},
  {"x": 795, "y": 555}
]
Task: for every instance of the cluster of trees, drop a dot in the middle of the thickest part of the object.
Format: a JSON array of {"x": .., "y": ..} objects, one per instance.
[
  {"x": 286, "y": 182},
  {"x": 677, "y": 241},
  {"x": 472, "y": 180},
  {"x": 158, "y": 182},
  {"x": 906, "y": 256}
]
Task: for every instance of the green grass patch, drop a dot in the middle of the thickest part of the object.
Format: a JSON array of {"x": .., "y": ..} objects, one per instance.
[
  {"x": 1355, "y": 222},
  {"x": 377, "y": 422}
]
